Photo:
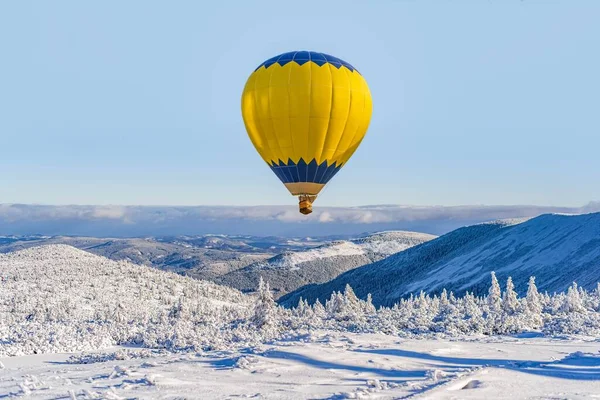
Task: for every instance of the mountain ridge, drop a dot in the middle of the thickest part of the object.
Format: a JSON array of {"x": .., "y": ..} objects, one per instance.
[{"x": 557, "y": 247}]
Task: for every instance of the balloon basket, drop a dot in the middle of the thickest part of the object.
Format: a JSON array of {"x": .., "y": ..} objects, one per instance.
[{"x": 306, "y": 204}]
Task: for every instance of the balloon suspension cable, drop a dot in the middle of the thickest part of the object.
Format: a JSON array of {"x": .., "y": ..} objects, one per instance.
[{"x": 306, "y": 202}]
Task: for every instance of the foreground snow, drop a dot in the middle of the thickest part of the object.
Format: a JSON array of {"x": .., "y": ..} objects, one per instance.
[{"x": 321, "y": 365}]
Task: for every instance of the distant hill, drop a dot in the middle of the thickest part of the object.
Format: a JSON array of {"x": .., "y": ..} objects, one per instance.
[
  {"x": 291, "y": 270},
  {"x": 72, "y": 273},
  {"x": 202, "y": 257},
  {"x": 558, "y": 249}
]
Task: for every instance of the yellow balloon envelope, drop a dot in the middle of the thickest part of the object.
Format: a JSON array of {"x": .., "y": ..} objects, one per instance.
[{"x": 306, "y": 113}]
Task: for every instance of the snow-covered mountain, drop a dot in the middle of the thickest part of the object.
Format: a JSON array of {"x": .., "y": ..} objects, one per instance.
[
  {"x": 556, "y": 248},
  {"x": 291, "y": 270},
  {"x": 67, "y": 299}
]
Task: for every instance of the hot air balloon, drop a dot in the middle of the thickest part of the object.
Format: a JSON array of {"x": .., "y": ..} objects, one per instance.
[{"x": 306, "y": 113}]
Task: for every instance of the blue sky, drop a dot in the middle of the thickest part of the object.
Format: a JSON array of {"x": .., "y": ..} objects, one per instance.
[{"x": 138, "y": 102}]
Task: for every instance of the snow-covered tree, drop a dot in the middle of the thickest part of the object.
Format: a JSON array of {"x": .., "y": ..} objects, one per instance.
[
  {"x": 448, "y": 318},
  {"x": 532, "y": 300},
  {"x": 335, "y": 305},
  {"x": 494, "y": 298},
  {"x": 444, "y": 298},
  {"x": 533, "y": 305},
  {"x": 351, "y": 299},
  {"x": 319, "y": 309},
  {"x": 510, "y": 302},
  {"x": 472, "y": 315},
  {"x": 347, "y": 307},
  {"x": 572, "y": 302},
  {"x": 265, "y": 309},
  {"x": 493, "y": 315},
  {"x": 368, "y": 307},
  {"x": 510, "y": 319}
]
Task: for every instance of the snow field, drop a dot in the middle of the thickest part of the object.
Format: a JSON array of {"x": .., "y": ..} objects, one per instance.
[{"x": 322, "y": 365}]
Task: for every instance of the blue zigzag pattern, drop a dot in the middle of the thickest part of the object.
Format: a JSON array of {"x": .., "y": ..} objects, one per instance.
[
  {"x": 292, "y": 172},
  {"x": 302, "y": 57}
]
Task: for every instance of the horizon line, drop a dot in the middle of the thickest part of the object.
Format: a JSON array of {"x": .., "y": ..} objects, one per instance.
[{"x": 591, "y": 202}]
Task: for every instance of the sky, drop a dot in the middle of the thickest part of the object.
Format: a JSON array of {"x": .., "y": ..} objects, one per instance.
[{"x": 138, "y": 102}]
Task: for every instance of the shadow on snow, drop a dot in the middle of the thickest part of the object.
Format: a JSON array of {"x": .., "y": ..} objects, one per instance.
[{"x": 578, "y": 366}]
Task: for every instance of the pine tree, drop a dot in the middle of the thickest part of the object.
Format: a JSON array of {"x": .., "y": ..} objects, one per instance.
[
  {"x": 474, "y": 321},
  {"x": 510, "y": 320},
  {"x": 265, "y": 309},
  {"x": 493, "y": 316},
  {"x": 305, "y": 311},
  {"x": 532, "y": 300},
  {"x": 595, "y": 297},
  {"x": 319, "y": 310},
  {"x": 451, "y": 298},
  {"x": 350, "y": 297},
  {"x": 533, "y": 306},
  {"x": 335, "y": 304},
  {"x": 510, "y": 302},
  {"x": 494, "y": 295},
  {"x": 444, "y": 298},
  {"x": 447, "y": 318},
  {"x": 422, "y": 304},
  {"x": 572, "y": 302},
  {"x": 299, "y": 310},
  {"x": 368, "y": 307},
  {"x": 351, "y": 309}
]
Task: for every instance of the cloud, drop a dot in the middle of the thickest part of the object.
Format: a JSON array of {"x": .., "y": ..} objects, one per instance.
[
  {"x": 326, "y": 217},
  {"x": 260, "y": 220},
  {"x": 109, "y": 212}
]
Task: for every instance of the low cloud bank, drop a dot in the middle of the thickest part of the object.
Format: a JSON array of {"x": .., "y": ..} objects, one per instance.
[{"x": 124, "y": 221}]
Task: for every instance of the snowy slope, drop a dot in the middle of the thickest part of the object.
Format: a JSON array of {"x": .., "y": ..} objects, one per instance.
[
  {"x": 291, "y": 270},
  {"x": 65, "y": 298},
  {"x": 557, "y": 249}
]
